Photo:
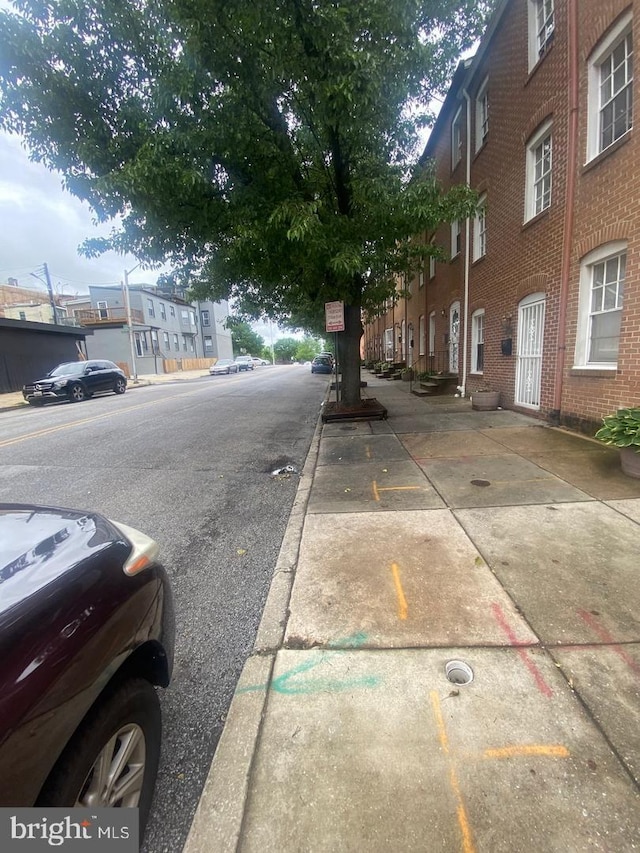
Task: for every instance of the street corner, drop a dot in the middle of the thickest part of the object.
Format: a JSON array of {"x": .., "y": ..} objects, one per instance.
[
  {"x": 381, "y": 749},
  {"x": 372, "y": 487},
  {"x": 406, "y": 578},
  {"x": 571, "y": 569}
]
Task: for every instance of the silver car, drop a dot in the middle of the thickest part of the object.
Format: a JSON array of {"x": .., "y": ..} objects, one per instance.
[{"x": 223, "y": 365}]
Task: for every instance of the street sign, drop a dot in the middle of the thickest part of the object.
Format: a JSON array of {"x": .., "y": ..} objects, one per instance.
[{"x": 334, "y": 316}]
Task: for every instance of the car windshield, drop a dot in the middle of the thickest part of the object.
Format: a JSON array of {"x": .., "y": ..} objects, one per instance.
[
  {"x": 67, "y": 369},
  {"x": 223, "y": 361}
]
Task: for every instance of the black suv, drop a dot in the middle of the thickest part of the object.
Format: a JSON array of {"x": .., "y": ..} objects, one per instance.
[{"x": 75, "y": 381}]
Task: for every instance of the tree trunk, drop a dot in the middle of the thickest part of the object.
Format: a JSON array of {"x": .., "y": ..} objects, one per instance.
[{"x": 349, "y": 355}]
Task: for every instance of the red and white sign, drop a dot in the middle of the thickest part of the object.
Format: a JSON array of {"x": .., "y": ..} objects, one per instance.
[{"x": 334, "y": 316}]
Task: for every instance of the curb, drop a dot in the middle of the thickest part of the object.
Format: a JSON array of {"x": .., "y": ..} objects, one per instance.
[{"x": 217, "y": 823}]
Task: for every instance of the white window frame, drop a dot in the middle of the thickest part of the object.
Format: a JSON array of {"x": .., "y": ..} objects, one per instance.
[
  {"x": 477, "y": 339},
  {"x": 586, "y": 312},
  {"x": 432, "y": 333},
  {"x": 151, "y": 308},
  {"x": 421, "y": 276},
  {"x": 165, "y": 339},
  {"x": 541, "y": 28},
  {"x": 205, "y": 317},
  {"x": 176, "y": 342},
  {"x": 596, "y": 64},
  {"x": 432, "y": 267},
  {"x": 208, "y": 343},
  {"x": 456, "y": 139},
  {"x": 482, "y": 114},
  {"x": 163, "y": 311},
  {"x": 539, "y": 172},
  {"x": 422, "y": 342},
  {"x": 172, "y": 310},
  {"x": 456, "y": 238},
  {"x": 480, "y": 229}
]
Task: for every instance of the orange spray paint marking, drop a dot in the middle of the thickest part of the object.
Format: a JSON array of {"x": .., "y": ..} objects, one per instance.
[
  {"x": 403, "y": 607},
  {"x": 546, "y": 750},
  {"x": 376, "y": 493}
]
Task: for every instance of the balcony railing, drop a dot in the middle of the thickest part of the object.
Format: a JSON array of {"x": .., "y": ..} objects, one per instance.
[{"x": 95, "y": 316}]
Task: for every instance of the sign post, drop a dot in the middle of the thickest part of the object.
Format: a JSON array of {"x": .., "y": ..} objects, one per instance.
[{"x": 334, "y": 322}]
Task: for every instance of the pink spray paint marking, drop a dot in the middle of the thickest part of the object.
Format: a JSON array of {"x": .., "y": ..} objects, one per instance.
[
  {"x": 500, "y": 618},
  {"x": 607, "y": 638}
]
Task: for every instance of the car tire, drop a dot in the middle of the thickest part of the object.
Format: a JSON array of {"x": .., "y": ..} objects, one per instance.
[
  {"x": 119, "y": 386},
  {"x": 76, "y": 393},
  {"x": 128, "y": 719}
]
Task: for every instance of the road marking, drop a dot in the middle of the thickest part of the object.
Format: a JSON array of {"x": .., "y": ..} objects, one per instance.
[
  {"x": 403, "y": 607},
  {"x": 553, "y": 750},
  {"x": 49, "y": 430}
]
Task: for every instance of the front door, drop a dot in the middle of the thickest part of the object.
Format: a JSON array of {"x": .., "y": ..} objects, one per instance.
[
  {"x": 454, "y": 336},
  {"x": 530, "y": 345}
]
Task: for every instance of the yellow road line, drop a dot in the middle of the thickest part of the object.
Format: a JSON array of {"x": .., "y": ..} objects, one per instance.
[
  {"x": 554, "y": 750},
  {"x": 403, "y": 607},
  {"x": 49, "y": 430}
]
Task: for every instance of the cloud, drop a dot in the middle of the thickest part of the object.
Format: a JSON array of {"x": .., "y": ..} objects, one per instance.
[{"x": 42, "y": 223}]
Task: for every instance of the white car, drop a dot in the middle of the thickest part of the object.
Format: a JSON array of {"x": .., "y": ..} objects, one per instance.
[
  {"x": 223, "y": 365},
  {"x": 258, "y": 362}
]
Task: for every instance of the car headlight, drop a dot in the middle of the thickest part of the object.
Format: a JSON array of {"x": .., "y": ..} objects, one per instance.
[{"x": 59, "y": 383}]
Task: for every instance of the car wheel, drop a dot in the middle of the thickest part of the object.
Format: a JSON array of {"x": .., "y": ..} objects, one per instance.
[
  {"x": 120, "y": 386},
  {"x": 76, "y": 393},
  {"x": 112, "y": 759}
]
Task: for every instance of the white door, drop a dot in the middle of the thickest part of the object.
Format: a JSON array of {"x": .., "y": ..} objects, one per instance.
[
  {"x": 530, "y": 345},
  {"x": 410, "y": 343},
  {"x": 454, "y": 336}
]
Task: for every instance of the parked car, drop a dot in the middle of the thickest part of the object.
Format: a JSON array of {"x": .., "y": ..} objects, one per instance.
[
  {"x": 328, "y": 355},
  {"x": 321, "y": 364},
  {"x": 86, "y": 633},
  {"x": 223, "y": 365},
  {"x": 244, "y": 362},
  {"x": 76, "y": 381},
  {"x": 259, "y": 362}
]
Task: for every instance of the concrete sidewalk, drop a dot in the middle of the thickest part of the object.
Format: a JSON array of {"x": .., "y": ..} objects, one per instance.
[{"x": 442, "y": 535}]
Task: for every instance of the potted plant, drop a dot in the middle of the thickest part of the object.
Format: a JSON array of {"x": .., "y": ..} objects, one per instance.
[
  {"x": 406, "y": 374},
  {"x": 485, "y": 400},
  {"x": 623, "y": 430}
]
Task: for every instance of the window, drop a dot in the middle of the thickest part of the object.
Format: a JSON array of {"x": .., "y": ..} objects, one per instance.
[
  {"x": 150, "y": 308},
  {"x": 23, "y": 315},
  {"x": 482, "y": 114},
  {"x": 184, "y": 314},
  {"x": 432, "y": 333},
  {"x": 163, "y": 311},
  {"x": 165, "y": 340},
  {"x": 103, "y": 309},
  {"x": 205, "y": 318},
  {"x": 432, "y": 267},
  {"x": 421, "y": 336},
  {"x": 421, "y": 277},
  {"x": 541, "y": 29},
  {"x": 480, "y": 229},
  {"x": 184, "y": 343},
  {"x": 538, "y": 174},
  {"x": 176, "y": 342},
  {"x": 192, "y": 317},
  {"x": 477, "y": 341},
  {"x": 172, "y": 310},
  {"x": 610, "y": 106},
  {"x": 602, "y": 275},
  {"x": 141, "y": 343},
  {"x": 208, "y": 343},
  {"x": 456, "y": 139},
  {"x": 455, "y": 238},
  {"x": 190, "y": 343},
  {"x": 154, "y": 341}
]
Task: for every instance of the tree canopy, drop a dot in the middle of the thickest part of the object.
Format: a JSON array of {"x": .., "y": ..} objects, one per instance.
[
  {"x": 262, "y": 148},
  {"x": 244, "y": 340}
]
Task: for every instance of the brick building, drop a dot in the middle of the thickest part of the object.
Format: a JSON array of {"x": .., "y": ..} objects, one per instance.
[{"x": 540, "y": 295}]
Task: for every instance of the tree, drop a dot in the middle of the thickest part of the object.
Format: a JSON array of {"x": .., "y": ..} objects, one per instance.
[
  {"x": 285, "y": 349},
  {"x": 260, "y": 147},
  {"x": 245, "y": 341},
  {"x": 307, "y": 349}
]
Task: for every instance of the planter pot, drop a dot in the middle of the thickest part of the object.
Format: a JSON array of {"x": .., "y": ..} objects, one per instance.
[
  {"x": 485, "y": 401},
  {"x": 406, "y": 375},
  {"x": 630, "y": 462}
]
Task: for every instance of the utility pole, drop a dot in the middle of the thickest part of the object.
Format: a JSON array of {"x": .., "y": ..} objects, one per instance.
[
  {"x": 47, "y": 281},
  {"x": 129, "y": 323}
]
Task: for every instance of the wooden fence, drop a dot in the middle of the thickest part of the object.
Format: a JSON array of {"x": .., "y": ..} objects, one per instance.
[{"x": 174, "y": 365}]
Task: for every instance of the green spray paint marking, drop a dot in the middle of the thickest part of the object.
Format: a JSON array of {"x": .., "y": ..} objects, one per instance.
[{"x": 301, "y": 686}]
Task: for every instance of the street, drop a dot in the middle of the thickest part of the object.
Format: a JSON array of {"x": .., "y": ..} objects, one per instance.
[{"x": 190, "y": 464}]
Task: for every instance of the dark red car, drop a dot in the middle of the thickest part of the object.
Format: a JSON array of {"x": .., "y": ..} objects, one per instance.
[{"x": 86, "y": 634}]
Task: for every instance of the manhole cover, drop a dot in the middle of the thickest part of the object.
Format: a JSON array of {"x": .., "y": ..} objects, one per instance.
[
  {"x": 481, "y": 483},
  {"x": 458, "y": 672}
]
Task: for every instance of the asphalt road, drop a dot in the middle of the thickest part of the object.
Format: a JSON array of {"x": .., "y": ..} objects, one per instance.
[{"x": 190, "y": 464}]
